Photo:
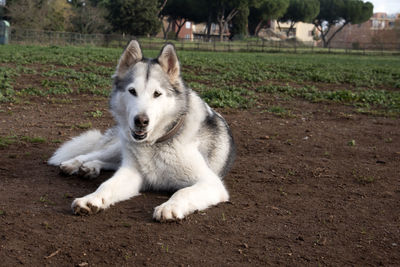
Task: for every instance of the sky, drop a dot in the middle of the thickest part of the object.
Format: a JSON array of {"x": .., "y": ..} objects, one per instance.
[{"x": 388, "y": 6}]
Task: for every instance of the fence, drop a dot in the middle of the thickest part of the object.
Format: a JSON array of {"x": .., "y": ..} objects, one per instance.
[{"x": 25, "y": 36}]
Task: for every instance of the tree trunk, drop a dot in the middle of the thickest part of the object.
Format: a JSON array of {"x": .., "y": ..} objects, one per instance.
[
  {"x": 221, "y": 30},
  {"x": 180, "y": 25},
  {"x": 161, "y": 8},
  {"x": 168, "y": 29},
  {"x": 209, "y": 22},
  {"x": 324, "y": 35},
  {"x": 221, "y": 19},
  {"x": 290, "y": 29},
  {"x": 258, "y": 28},
  {"x": 334, "y": 34}
]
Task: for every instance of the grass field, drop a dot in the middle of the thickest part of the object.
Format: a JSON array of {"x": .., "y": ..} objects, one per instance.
[{"x": 369, "y": 83}]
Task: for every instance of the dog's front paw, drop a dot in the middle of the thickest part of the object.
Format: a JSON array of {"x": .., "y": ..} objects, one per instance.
[
  {"x": 87, "y": 205},
  {"x": 70, "y": 166},
  {"x": 169, "y": 211}
]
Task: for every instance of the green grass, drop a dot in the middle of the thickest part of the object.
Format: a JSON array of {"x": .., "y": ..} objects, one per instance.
[
  {"x": 5, "y": 141},
  {"x": 8, "y": 140},
  {"x": 369, "y": 83},
  {"x": 385, "y": 99},
  {"x": 279, "y": 111},
  {"x": 33, "y": 140}
]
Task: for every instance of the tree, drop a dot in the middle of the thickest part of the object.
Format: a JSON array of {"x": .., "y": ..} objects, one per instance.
[
  {"x": 89, "y": 17},
  {"x": 263, "y": 11},
  {"x": 225, "y": 12},
  {"x": 43, "y": 15},
  {"x": 136, "y": 17},
  {"x": 340, "y": 13},
  {"x": 300, "y": 10},
  {"x": 179, "y": 12},
  {"x": 239, "y": 23}
]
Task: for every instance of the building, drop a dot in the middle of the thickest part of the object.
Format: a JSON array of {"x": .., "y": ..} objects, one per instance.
[
  {"x": 186, "y": 31},
  {"x": 378, "y": 30},
  {"x": 200, "y": 32},
  {"x": 303, "y": 32}
]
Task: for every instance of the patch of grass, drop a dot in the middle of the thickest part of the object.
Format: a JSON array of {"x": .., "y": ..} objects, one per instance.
[
  {"x": 54, "y": 100},
  {"x": 127, "y": 225},
  {"x": 68, "y": 195},
  {"x": 228, "y": 96},
  {"x": 56, "y": 87},
  {"x": 7, "y": 91},
  {"x": 33, "y": 140},
  {"x": 84, "y": 125},
  {"x": 280, "y": 111},
  {"x": 360, "y": 98},
  {"x": 46, "y": 225},
  {"x": 96, "y": 114},
  {"x": 363, "y": 179},
  {"x": 351, "y": 143},
  {"x": 44, "y": 199},
  {"x": 282, "y": 192},
  {"x": 8, "y": 140},
  {"x": 223, "y": 217},
  {"x": 2, "y": 213},
  {"x": 388, "y": 140}
]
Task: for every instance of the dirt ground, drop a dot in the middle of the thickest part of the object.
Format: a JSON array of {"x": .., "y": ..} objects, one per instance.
[{"x": 318, "y": 187}]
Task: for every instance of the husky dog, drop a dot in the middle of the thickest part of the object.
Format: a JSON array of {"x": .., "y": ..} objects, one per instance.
[{"x": 166, "y": 138}]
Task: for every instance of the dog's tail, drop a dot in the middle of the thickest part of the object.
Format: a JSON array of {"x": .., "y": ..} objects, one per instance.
[{"x": 82, "y": 144}]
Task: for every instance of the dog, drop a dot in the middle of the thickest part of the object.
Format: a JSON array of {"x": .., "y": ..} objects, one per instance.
[{"x": 166, "y": 138}]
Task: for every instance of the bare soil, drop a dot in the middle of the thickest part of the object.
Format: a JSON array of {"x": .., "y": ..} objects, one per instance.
[{"x": 302, "y": 193}]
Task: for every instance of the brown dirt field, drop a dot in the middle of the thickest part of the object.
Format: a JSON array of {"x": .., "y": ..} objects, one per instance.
[{"x": 300, "y": 194}]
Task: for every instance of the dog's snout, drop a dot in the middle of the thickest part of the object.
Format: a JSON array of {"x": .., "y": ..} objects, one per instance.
[{"x": 141, "y": 120}]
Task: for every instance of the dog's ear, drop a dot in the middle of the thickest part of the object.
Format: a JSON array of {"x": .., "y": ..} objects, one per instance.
[
  {"x": 169, "y": 62},
  {"x": 131, "y": 55}
]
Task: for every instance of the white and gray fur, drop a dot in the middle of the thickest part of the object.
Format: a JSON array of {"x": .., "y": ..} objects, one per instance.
[{"x": 148, "y": 101}]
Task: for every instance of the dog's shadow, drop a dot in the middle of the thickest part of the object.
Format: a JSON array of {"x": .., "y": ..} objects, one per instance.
[{"x": 138, "y": 208}]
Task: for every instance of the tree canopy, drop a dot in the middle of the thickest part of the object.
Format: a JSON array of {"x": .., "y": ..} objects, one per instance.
[
  {"x": 300, "y": 10},
  {"x": 264, "y": 10},
  {"x": 340, "y": 12},
  {"x": 136, "y": 17}
]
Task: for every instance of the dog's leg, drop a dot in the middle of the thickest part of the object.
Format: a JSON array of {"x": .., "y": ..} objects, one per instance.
[
  {"x": 125, "y": 184},
  {"x": 207, "y": 191},
  {"x": 89, "y": 165}
]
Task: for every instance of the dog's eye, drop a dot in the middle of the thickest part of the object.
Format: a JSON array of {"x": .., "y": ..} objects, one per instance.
[
  {"x": 132, "y": 91},
  {"x": 156, "y": 94}
]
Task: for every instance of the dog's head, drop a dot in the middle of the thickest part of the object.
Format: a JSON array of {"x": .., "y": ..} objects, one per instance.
[{"x": 148, "y": 94}]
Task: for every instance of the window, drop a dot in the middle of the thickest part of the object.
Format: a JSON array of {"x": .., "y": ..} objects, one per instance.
[
  {"x": 188, "y": 25},
  {"x": 187, "y": 36}
]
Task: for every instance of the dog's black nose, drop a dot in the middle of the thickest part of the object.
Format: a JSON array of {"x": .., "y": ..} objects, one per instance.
[{"x": 141, "y": 120}]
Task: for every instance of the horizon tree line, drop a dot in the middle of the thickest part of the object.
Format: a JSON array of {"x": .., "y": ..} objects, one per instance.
[{"x": 145, "y": 17}]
